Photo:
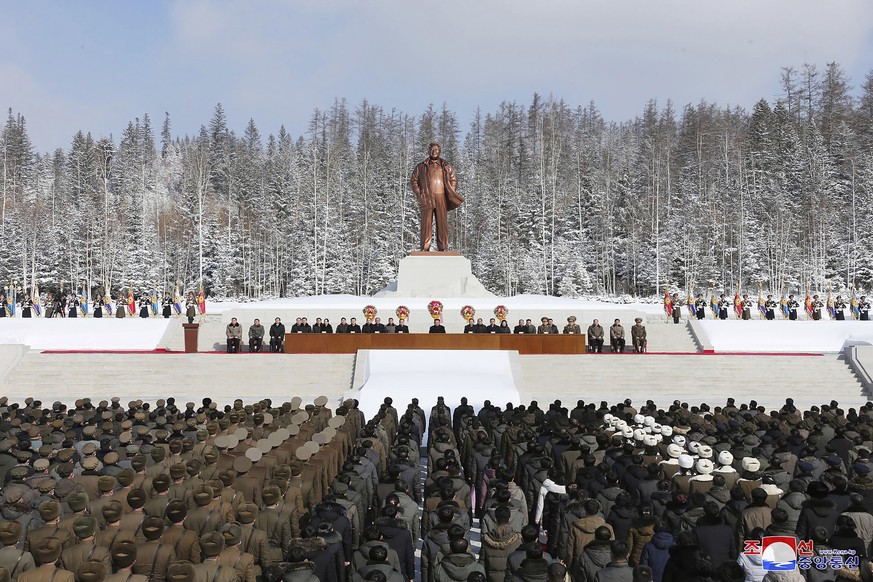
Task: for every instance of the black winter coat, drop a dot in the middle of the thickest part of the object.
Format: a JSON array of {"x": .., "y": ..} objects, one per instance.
[{"x": 396, "y": 535}]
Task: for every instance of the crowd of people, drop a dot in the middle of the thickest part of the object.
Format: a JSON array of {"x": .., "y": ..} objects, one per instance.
[
  {"x": 595, "y": 332},
  {"x": 788, "y": 307},
  {"x": 65, "y": 305},
  {"x": 183, "y": 493}
]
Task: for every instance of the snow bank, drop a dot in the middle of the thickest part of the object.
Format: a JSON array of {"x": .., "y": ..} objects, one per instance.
[
  {"x": 85, "y": 333},
  {"x": 786, "y": 336},
  {"x": 478, "y": 375}
]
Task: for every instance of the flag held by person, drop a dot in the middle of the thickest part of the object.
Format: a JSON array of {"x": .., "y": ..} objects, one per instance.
[{"x": 668, "y": 303}]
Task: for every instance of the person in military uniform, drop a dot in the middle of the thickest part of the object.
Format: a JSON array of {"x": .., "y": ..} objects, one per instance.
[
  {"x": 185, "y": 542},
  {"x": 91, "y": 572},
  {"x": 112, "y": 534},
  {"x": 50, "y": 513},
  {"x": 839, "y": 308},
  {"x": 723, "y": 304},
  {"x": 793, "y": 306},
  {"x": 120, "y": 307},
  {"x": 84, "y": 528},
  {"x": 98, "y": 305},
  {"x": 254, "y": 541},
  {"x": 152, "y": 557},
  {"x": 572, "y": 327},
  {"x": 167, "y": 306},
  {"x": 746, "y": 305},
  {"x": 123, "y": 558},
  {"x": 15, "y": 560},
  {"x": 677, "y": 307},
  {"x": 770, "y": 308},
  {"x": 233, "y": 556},
  {"x": 47, "y": 553},
  {"x": 817, "y": 306},
  {"x": 864, "y": 309},
  {"x": 210, "y": 570},
  {"x": 271, "y": 522},
  {"x": 638, "y": 335},
  {"x": 700, "y": 306},
  {"x": 544, "y": 327}
]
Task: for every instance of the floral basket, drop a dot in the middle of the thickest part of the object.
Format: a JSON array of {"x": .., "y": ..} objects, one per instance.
[
  {"x": 370, "y": 311},
  {"x": 435, "y": 308},
  {"x": 468, "y": 313},
  {"x": 402, "y": 312},
  {"x": 501, "y": 312}
]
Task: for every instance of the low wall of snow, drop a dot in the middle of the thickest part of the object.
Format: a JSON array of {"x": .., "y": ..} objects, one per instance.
[
  {"x": 82, "y": 333},
  {"x": 784, "y": 336}
]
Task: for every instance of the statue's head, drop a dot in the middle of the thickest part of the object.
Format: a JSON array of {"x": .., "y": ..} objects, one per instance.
[{"x": 433, "y": 150}]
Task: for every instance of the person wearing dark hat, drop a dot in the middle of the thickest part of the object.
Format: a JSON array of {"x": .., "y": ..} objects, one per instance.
[
  {"x": 152, "y": 557},
  {"x": 15, "y": 560},
  {"x": 203, "y": 519},
  {"x": 210, "y": 570},
  {"x": 91, "y": 571},
  {"x": 157, "y": 503},
  {"x": 270, "y": 521},
  {"x": 123, "y": 558},
  {"x": 254, "y": 541},
  {"x": 181, "y": 571},
  {"x": 378, "y": 562},
  {"x": 133, "y": 520},
  {"x": 47, "y": 552},
  {"x": 233, "y": 556},
  {"x": 299, "y": 568},
  {"x": 112, "y": 534},
  {"x": 50, "y": 512},
  {"x": 84, "y": 527},
  {"x": 572, "y": 327},
  {"x": 819, "y": 511},
  {"x": 184, "y": 542},
  {"x": 106, "y": 486}
]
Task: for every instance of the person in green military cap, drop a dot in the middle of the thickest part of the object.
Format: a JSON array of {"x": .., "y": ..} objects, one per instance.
[
  {"x": 84, "y": 528},
  {"x": 12, "y": 558},
  {"x": 210, "y": 570},
  {"x": 47, "y": 552},
  {"x": 233, "y": 556},
  {"x": 152, "y": 557}
]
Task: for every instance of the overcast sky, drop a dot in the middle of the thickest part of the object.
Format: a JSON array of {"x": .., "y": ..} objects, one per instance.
[{"x": 95, "y": 65}]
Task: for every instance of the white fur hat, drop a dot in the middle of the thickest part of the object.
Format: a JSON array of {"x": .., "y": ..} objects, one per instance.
[
  {"x": 627, "y": 432},
  {"x": 704, "y": 466},
  {"x": 673, "y": 451},
  {"x": 667, "y": 430},
  {"x": 704, "y": 451},
  {"x": 686, "y": 461},
  {"x": 693, "y": 446},
  {"x": 607, "y": 418},
  {"x": 649, "y": 420},
  {"x": 650, "y": 440},
  {"x": 639, "y": 434},
  {"x": 725, "y": 458},
  {"x": 679, "y": 440},
  {"x": 639, "y": 418},
  {"x": 751, "y": 464}
]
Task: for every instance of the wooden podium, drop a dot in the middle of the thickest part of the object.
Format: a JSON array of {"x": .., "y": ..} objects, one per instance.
[
  {"x": 349, "y": 343},
  {"x": 192, "y": 330}
]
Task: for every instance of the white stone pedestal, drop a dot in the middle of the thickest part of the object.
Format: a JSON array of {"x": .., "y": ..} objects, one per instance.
[{"x": 435, "y": 275}]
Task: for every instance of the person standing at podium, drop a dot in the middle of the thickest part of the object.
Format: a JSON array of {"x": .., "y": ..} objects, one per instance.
[
  {"x": 277, "y": 335},
  {"x": 437, "y": 327}
]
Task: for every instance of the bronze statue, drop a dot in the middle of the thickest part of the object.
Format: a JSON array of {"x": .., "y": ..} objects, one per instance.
[{"x": 435, "y": 185}]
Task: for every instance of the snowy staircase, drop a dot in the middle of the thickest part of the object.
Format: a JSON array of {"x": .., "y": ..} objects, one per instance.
[
  {"x": 222, "y": 377},
  {"x": 692, "y": 378},
  {"x": 668, "y": 337}
]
